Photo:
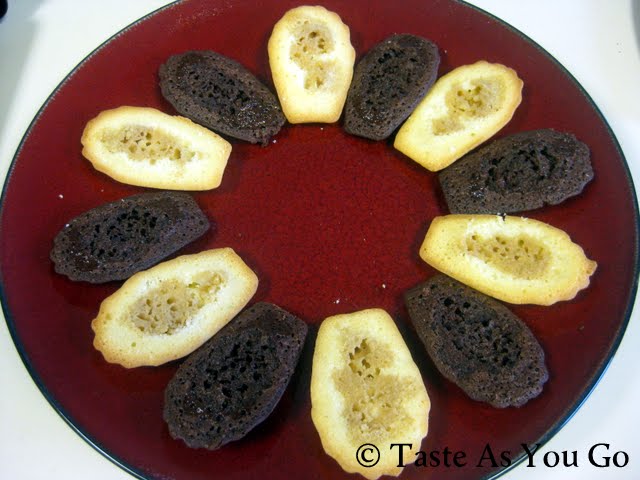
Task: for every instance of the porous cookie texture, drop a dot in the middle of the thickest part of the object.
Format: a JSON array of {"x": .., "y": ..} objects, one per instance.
[
  {"x": 148, "y": 148},
  {"x": 221, "y": 94},
  {"x": 115, "y": 240},
  {"x": 168, "y": 311},
  {"x": 311, "y": 60},
  {"x": 463, "y": 109},
  {"x": 365, "y": 388},
  {"x": 388, "y": 82},
  {"x": 234, "y": 381},
  {"x": 477, "y": 342},
  {"x": 516, "y": 173},
  {"x": 514, "y": 259}
]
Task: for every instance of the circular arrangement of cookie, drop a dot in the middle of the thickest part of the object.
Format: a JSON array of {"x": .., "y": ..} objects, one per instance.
[{"x": 382, "y": 203}]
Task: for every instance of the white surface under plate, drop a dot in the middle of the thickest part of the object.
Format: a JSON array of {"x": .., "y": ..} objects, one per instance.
[{"x": 42, "y": 40}]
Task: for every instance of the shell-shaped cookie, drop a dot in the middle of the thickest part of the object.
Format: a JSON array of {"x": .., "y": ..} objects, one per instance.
[
  {"x": 464, "y": 108},
  {"x": 477, "y": 342},
  {"x": 234, "y": 381},
  {"x": 148, "y": 148},
  {"x": 366, "y": 389},
  {"x": 311, "y": 60},
  {"x": 168, "y": 311},
  {"x": 388, "y": 82},
  {"x": 221, "y": 94},
  {"x": 517, "y": 173},
  {"x": 117, "y": 239},
  {"x": 514, "y": 259}
]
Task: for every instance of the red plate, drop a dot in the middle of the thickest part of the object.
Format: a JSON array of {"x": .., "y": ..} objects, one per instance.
[{"x": 331, "y": 223}]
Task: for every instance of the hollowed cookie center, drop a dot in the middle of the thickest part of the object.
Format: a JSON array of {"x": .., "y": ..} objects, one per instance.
[
  {"x": 472, "y": 99},
  {"x": 372, "y": 409},
  {"x": 167, "y": 308},
  {"x": 521, "y": 256},
  {"x": 312, "y": 42},
  {"x": 146, "y": 144}
]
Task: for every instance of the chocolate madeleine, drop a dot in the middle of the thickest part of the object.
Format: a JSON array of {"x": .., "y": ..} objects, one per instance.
[
  {"x": 219, "y": 93},
  {"x": 234, "y": 381},
  {"x": 477, "y": 343},
  {"x": 517, "y": 173},
  {"x": 115, "y": 240},
  {"x": 388, "y": 83}
]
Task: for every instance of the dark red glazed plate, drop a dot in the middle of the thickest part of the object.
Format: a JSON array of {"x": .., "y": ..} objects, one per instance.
[{"x": 330, "y": 223}]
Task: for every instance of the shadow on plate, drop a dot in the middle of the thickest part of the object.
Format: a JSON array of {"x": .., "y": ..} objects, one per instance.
[{"x": 635, "y": 15}]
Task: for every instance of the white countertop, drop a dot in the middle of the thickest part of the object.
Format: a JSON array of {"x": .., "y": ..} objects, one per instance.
[{"x": 42, "y": 40}]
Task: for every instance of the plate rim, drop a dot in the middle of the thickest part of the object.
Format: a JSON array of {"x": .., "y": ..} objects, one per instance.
[
  {"x": 570, "y": 411},
  {"x": 633, "y": 293}
]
